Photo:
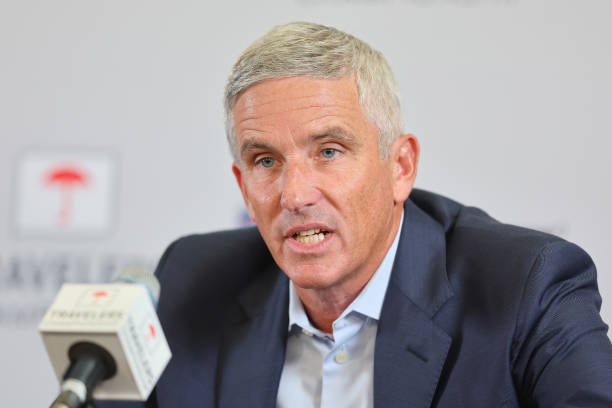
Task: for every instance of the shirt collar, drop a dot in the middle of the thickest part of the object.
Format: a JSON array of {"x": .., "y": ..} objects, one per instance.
[{"x": 368, "y": 302}]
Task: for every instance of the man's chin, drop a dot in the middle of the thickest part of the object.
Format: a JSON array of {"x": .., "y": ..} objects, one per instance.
[{"x": 313, "y": 277}]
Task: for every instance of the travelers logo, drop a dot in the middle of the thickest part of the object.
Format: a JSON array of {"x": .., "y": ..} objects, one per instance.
[
  {"x": 96, "y": 298},
  {"x": 151, "y": 335},
  {"x": 66, "y": 178},
  {"x": 64, "y": 192},
  {"x": 99, "y": 295}
]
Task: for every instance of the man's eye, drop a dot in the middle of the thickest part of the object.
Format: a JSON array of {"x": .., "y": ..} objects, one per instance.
[
  {"x": 329, "y": 153},
  {"x": 266, "y": 162}
]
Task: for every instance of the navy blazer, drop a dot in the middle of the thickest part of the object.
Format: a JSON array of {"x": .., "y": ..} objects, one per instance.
[{"x": 476, "y": 314}]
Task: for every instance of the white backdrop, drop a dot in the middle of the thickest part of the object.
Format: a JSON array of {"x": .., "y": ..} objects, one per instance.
[{"x": 509, "y": 99}]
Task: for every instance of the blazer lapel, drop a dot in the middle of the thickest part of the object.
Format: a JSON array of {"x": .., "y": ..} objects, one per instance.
[
  {"x": 410, "y": 349},
  {"x": 253, "y": 352}
]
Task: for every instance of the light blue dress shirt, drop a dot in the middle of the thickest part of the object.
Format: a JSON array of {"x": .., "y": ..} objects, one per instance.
[{"x": 337, "y": 370}]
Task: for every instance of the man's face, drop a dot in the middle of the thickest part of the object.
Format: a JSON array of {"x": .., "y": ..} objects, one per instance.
[{"x": 313, "y": 182}]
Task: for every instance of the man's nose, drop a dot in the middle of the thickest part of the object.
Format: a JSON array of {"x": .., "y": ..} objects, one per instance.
[{"x": 298, "y": 188}]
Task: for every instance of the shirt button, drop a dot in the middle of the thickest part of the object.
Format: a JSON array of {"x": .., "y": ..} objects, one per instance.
[
  {"x": 341, "y": 357},
  {"x": 306, "y": 332}
]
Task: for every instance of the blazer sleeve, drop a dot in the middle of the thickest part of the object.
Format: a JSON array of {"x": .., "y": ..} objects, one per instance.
[{"x": 562, "y": 356}]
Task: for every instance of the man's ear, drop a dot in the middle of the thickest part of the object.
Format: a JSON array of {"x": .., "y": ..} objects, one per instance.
[
  {"x": 404, "y": 156},
  {"x": 238, "y": 174}
]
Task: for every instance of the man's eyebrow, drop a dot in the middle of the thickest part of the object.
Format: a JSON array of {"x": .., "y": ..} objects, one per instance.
[
  {"x": 336, "y": 133},
  {"x": 249, "y": 145}
]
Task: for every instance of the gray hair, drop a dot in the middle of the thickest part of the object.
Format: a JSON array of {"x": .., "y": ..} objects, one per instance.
[{"x": 313, "y": 50}]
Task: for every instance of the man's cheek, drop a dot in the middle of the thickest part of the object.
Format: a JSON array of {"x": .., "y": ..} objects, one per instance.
[
  {"x": 251, "y": 201},
  {"x": 251, "y": 212}
]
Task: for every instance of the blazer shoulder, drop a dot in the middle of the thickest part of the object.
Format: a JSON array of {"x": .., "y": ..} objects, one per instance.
[
  {"x": 473, "y": 230},
  {"x": 488, "y": 253},
  {"x": 477, "y": 233},
  {"x": 222, "y": 249},
  {"x": 209, "y": 270},
  {"x": 508, "y": 263}
]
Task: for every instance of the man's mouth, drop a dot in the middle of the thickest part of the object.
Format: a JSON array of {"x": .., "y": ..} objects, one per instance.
[{"x": 312, "y": 236}]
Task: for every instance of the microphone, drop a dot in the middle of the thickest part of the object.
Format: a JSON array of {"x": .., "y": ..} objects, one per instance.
[{"x": 105, "y": 340}]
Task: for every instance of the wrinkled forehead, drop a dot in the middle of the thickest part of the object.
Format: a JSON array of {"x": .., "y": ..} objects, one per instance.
[{"x": 296, "y": 99}]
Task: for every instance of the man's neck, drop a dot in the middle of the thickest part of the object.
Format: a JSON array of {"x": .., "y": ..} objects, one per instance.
[{"x": 325, "y": 305}]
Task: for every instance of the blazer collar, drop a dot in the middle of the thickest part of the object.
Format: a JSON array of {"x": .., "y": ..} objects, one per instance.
[
  {"x": 410, "y": 348},
  {"x": 419, "y": 270},
  {"x": 266, "y": 293},
  {"x": 253, "y": 349}
]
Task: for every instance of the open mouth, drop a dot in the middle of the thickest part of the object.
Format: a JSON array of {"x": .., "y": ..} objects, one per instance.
[{"x": 311, "y": 236}]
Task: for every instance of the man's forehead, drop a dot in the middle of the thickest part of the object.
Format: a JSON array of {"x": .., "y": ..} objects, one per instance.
[{"x": 296, "y": 93}]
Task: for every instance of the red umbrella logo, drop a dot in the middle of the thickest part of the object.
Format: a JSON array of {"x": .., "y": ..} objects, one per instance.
[
  {"x": 99, "y": 295},
  {"x": 67, "y": 178},
  {"x": 152, "y": 331},
  {"x": 150, "y": 334}
]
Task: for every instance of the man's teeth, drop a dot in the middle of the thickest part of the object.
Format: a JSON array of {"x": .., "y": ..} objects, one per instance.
[
  {"x": 310, "y": 237},
  {"x": 309, "y": 232}
]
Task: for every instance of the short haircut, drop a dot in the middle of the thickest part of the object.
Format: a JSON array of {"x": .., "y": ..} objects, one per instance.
[{"x": 317, "y": 51}]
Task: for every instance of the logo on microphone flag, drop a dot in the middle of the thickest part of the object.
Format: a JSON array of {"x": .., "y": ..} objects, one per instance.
[
  {"x": 97, "y": 298},
  {"x": 151, "y": 335}
]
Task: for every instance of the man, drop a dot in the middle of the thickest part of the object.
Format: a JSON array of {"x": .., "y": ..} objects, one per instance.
[{"x": 394, "y": 297}]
